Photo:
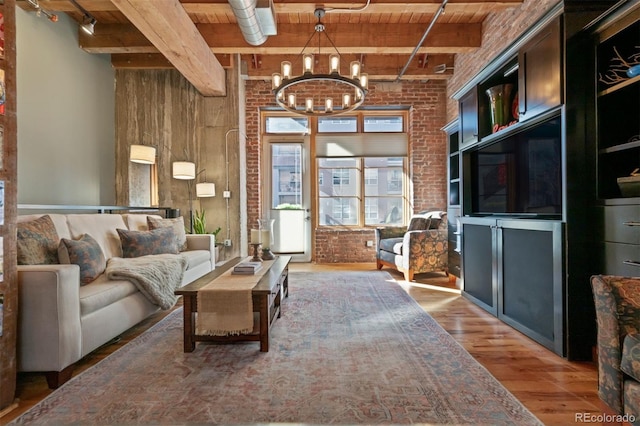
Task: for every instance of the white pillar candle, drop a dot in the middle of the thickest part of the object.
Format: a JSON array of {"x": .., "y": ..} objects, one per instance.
[
  {"x": 255, "y": 236},
  {"x": 265, "y": 235}
]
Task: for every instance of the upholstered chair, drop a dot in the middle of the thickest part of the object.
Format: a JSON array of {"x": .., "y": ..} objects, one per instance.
[
  {"x": 617, "y": 301},
  {"x": 420, "y": 247}
]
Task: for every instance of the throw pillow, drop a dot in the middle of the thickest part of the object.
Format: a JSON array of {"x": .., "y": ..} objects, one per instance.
[
  {"x": 142, "y": 243},
  {"x": 37, "y": 242},
  {"x": 176, "y": 223},
  {"x": 86, "y": 253}
]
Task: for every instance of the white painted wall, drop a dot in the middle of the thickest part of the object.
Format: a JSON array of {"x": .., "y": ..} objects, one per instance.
[{"x": 66, "y": 104}]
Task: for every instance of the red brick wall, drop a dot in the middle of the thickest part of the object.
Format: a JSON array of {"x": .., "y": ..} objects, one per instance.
[
  {"x": 427, "y": 165},
  {"x": 499, "y": 30}
]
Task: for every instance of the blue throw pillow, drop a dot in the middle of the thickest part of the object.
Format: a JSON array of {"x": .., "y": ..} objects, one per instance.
[
  {"x": 142, "y": 243},
  {"x": 86, "y": 253}
]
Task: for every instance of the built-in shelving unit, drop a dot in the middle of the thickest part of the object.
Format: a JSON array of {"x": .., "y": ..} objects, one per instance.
[
  {"x": 454, "y": 193},
  {"x": 531, "y": 173},
  {"x": 617, "y": 113}
]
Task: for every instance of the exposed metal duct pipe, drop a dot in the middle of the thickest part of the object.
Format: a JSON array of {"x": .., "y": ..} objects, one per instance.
[
  {"x": 245, "y": 12},
  {"x": 426, "y": 32}
]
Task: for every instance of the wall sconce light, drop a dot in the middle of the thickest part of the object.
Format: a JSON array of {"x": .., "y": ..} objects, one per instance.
[{"x": 142, "y": 154}]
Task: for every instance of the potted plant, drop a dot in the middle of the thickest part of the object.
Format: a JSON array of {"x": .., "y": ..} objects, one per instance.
[{"x": 200, "y": 227}]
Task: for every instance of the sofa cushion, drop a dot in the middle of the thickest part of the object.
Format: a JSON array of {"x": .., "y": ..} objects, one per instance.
[
  {"x": 103, "y": 292},
  {"x": 176, "y": 223},
  {"x": 138, "y": 221},
  {"x": 102, "y": 227},
  {"x": 37, "y": 242},
  {"x": 392, "y": 245},
  {"x": 84, "y": 252},
  {"x": 196, "y": 257},
  {"x": 630, "y": 363},
  {"x": 142, "y": 243}
]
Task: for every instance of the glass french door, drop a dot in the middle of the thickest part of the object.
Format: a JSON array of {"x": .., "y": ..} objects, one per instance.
[{"x": 287, "y": 198}]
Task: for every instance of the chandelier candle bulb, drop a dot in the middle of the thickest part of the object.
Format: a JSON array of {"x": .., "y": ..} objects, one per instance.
[
  {"x": 355, "y": 69},
  {"x": 292, "y": 100},
  {"x": 346, "y": 100},
  {"x": 307, "y": 63},
  {"x": 276, "y": 80},
  {"x": 364, "y": 80},
  {"x": 308, "y": 105},
  {"x": 328, "y": 105},
  {"x": 334, "y": 63},
  {"x": 286, "y": 70},
  {"x": 255, "y": 236}
]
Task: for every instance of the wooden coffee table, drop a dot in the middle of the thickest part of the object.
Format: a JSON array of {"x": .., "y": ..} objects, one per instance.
[{"x": 267, "y": 297}]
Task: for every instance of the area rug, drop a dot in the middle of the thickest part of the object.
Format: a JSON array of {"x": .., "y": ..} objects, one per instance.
[{"x": 350, "y": 348}]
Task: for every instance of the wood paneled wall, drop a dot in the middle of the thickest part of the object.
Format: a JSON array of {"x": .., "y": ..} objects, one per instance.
[{"x": 161, "y": 108}]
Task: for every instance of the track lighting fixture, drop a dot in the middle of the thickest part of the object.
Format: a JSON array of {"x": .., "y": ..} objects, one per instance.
[{"x": 88, "y": 21}]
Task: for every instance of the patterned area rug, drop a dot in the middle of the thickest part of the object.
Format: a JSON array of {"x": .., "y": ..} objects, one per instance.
[{"x": 350, "y": 348}]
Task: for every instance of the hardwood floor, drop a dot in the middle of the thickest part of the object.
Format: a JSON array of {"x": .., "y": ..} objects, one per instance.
[{"x": 554, "y": 389}]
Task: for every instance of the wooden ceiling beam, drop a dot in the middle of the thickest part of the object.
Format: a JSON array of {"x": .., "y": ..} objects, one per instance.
[
  {"x": 227, "y": 39},
  {"x": 304, "y": 6},
  {"x": 167, "y": 26},
  {"x": 379, "y": 67},
  {"x": 142, "y": 61}
]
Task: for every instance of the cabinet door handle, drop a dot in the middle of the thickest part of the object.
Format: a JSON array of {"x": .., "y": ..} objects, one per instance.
[
  {"x": 631, "y": 263},
  {"x": 631, "y": 223}
]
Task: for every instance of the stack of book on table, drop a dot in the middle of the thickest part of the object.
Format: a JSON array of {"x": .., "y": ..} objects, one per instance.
[{"x": 247, "y": 268}]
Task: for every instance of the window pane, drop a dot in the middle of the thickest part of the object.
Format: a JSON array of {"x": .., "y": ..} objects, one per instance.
[
  {"x": 286, "y": 161},
  {"x": 389, "y": 176},
  {"x": 338, "y": 182},
  {"x": 383, "y": 124},
  {"x": 337, "y": 162},
  {"x": 388, "y": 211},
  {"x": 287, "y": 125},
  {"x": 337, "y": 125},
  {"x": 338, "y": 211}
]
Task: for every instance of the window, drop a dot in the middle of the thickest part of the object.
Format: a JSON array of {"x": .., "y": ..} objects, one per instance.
[
  {"x": 380, "y": 200},
  {"x": 337, "y": 124},
  {"x": 383, "y": 124},
  {"x": 284, "y": 125},
  {"x": 361, "y": 165}
]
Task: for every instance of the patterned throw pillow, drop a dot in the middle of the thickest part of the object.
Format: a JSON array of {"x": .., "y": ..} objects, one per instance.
[
  {"x": 142, "y": 243},
  {"x": 176, "y": 223},
  {"x": 37, "y": 242},
  {"x": 86, "y": 253}
]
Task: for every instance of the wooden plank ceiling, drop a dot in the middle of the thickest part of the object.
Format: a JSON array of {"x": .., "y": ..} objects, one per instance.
[{"x": 383, "y": 34}]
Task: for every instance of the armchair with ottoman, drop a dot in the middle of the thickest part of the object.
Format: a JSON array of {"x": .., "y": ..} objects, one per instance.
[
  {"x": 420, "y": 247},
  {"x": 617, "y": 302}
]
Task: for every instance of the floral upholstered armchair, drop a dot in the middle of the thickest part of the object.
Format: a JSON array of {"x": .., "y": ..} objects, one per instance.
[
  {"x": 617, "y": 301},
  {"x": 422, "y": 247}
]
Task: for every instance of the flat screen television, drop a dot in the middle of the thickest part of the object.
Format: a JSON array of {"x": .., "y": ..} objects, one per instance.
[{"x": 519, "y": 175}]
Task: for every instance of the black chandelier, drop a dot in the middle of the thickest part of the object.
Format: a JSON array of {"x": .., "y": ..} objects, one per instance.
[{"x": 288, "y": 90}]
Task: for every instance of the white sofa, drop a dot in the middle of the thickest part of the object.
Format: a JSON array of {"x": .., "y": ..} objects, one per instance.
[{"x": 60, "y": 321}]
